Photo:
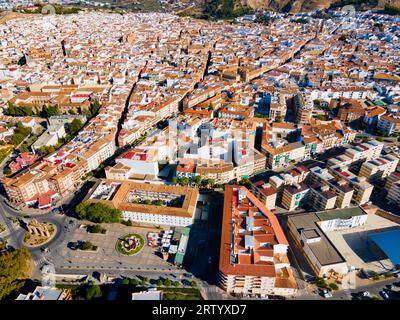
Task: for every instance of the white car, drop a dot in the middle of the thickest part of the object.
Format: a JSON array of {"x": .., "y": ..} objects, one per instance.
[
  {"x": 384, "y": 295},
  {"x": 365, "y": 294}
]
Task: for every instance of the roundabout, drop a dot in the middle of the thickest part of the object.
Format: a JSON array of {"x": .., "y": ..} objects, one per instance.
[
  {"x": 130, "y": 244},
  {"x": 39, "y": 234}
]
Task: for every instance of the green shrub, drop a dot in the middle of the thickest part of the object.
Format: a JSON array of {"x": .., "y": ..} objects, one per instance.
[{"x": 333, "y": 286}]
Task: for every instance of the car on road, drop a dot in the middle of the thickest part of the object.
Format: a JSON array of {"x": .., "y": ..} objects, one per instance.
[
  {"x": 384, "y": 295},
  {"x": 188, "y": 275},
  {"x": 45, "y": 250}
]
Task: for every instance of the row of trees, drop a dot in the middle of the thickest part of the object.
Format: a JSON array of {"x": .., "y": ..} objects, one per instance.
[
  {"x": 197, "y": 180},
  {"x": 16, "y": 111},
  {"x": 48, "y": 111},
  {"x": 98, "y": 212},
  {"x": 14, "y": 269}
]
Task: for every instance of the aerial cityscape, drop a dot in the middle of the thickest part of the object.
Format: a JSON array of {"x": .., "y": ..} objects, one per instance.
[{"x": 189, "y": 150}]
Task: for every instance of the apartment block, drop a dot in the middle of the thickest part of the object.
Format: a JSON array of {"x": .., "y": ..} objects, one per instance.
[
  {"x": 379, "y": 168},
  {"x": 253, "y": 255},
  {"x": 294, "y": 196}
]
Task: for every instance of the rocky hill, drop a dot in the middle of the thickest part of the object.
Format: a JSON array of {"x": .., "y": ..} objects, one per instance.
[
  {"x": 307, "y": 5},
  {"x": 295, "y": 6}
]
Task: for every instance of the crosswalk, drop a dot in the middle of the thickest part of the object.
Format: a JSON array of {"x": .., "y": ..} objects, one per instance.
[{"x": 38, "y": 262}]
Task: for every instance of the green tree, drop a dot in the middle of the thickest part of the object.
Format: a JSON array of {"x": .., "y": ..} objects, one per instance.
[
  {"x": 98, "y": 212},
  {"x": 246, "y": 182},
  {"x": 17, "y": 138},
  {"x": 75, "y": 125},
  {"x": 87, "y": 291},
  {"x": 167, "y": 282},
  {"x": 96, "y": 229},
  {"x": 94, "y": 108},
  {"x": 93, "y": 291},
  {"x": 49, "y": 111},
  {"x": 184, "y": 181},
  {"x": 14, "y": 269},
  {"x": 134, "y": 282},
  {"x": 16, "y": 111},
  {"x": 197, "y": 180},
  {"x": 333, "y": 286},
  {"x": 86, "y": 245},
  {"x": 321, "y": 283},
  {"x": 159, "y": 283},
  {"x": 159, "y": 203},
  {"x": 174, "y": 180}
]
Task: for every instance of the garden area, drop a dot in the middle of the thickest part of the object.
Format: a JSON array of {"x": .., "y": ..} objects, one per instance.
[{"x": 130, "y": 244}]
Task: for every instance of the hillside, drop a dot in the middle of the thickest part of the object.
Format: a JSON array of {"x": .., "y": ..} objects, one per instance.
[
  {"x": 307, "y": 5},
  {"x": 232, "y": 8}
]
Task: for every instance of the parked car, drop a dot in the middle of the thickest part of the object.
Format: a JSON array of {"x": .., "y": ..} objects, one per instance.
[
  {"x": 325, "y": 293},
  {"x": 384, "y": 295},
  {"x": 72, "y": 245},
  {"x": 365, "y": 294}
]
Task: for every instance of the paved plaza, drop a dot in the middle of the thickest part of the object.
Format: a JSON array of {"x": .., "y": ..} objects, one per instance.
[{"x": 106, "y": 257}]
